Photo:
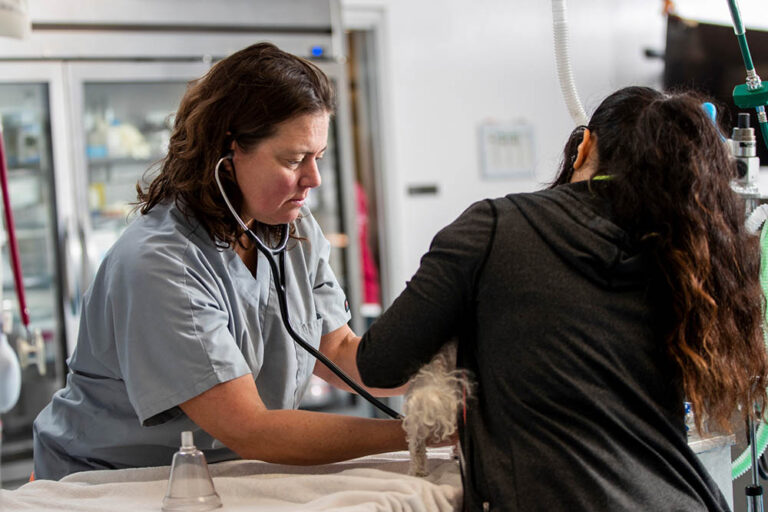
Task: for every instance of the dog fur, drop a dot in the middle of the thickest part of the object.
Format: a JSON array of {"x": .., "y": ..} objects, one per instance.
[{"x": 432, "y": 404}]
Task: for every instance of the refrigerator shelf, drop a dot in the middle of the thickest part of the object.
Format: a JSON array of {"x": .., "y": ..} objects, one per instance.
[
  {"x": 37, "y": 282},
  {"x": 123, "y": 161},
  {"x": 24, "y": 168}
]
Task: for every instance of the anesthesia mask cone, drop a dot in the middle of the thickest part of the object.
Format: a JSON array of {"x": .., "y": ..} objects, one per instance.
[{"x": 190, "y": 487}]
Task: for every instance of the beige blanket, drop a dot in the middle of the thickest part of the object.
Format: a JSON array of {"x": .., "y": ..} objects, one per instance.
[{"x": 376, "y": 483}]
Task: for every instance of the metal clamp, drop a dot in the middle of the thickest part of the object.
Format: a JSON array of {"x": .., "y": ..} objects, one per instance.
[{"x": 32, "y": 353}]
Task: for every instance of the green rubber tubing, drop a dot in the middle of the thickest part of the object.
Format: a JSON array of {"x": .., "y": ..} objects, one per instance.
[
  {"x": 745, "y": 52},
  {"x": 738, "y": 27},
  {"x": 744, "y": 461}
]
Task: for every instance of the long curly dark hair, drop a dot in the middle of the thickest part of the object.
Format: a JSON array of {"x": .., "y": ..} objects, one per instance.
[
  {"x": 670, "y": 189},
  {"x": 242, "y": 98}
]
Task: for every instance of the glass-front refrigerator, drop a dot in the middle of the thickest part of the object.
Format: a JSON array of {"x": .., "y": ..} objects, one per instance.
[
  {"x": 27, "y": 139},
  {"x": 28, "y": 125},
  {"x": 127, "y": 128}
]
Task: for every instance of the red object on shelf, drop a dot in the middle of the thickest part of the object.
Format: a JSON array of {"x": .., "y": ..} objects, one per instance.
[
  {"x": 371, "y": 288},
  {"x": 13, "y": 246}
]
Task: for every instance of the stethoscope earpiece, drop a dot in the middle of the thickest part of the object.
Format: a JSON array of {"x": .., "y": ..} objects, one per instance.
[{"x": 262, "y": 246}]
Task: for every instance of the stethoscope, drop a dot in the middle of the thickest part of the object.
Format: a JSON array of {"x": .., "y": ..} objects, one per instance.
[{"x": 278, "y": 275}]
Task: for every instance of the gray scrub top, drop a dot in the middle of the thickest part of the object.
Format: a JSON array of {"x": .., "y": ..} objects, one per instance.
[{"x": 168, "y": 316}]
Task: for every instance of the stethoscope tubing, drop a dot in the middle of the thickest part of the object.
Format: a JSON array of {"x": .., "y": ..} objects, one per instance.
[{"x": 278, "y": 275}]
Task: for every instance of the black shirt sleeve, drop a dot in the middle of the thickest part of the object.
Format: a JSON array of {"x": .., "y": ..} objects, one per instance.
[{"x": 430, "y": 309}]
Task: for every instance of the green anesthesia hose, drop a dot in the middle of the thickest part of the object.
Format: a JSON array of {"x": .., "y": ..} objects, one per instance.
[
  {"x": 738, "y": 28},
  {"x": 745, "y": 51},
  {"x": 744, "y": 461}
]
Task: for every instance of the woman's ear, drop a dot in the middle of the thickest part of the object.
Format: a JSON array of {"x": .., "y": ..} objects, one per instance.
[
  {"x": 231, "y": 140},
  {"x": 584, "y": 149}
]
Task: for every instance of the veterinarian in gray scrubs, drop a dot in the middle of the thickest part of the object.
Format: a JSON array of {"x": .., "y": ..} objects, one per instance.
[
  {"x": 180, "y": 329},
  {"x": 588, "y": 312}
]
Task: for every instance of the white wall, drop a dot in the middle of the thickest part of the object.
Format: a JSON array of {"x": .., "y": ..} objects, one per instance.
[
  {"x": 754, "y": 14},
  {"x": 451, "y": 64}
]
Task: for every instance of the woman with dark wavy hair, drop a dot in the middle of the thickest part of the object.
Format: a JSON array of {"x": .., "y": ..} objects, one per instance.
[
  {"x": 181, "y": 328},
  {"x": 588, "y": 312}
]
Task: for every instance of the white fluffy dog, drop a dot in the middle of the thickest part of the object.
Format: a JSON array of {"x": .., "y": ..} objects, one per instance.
[{"x": 432, "y": 405}]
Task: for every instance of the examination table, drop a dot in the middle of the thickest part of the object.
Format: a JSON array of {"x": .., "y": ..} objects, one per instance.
[{"x": 379, "y": 482}]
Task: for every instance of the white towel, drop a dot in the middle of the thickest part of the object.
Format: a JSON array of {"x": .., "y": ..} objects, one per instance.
[{"x": 379, "y": 483}]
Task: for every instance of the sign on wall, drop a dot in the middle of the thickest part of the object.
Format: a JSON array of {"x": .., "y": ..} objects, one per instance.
[
  {"x": 506, "y": 150},
  {"x": 14, "y": 18}
]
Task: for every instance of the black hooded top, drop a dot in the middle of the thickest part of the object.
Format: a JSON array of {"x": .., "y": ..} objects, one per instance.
[{"x": 578, "y": 405}]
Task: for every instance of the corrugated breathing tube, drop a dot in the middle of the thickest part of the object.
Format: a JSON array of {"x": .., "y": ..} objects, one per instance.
[
  {"x": 564, "y": 72},
  {"x": 757, "y": 219}
]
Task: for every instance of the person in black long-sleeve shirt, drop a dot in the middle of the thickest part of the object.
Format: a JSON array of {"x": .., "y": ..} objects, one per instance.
[{"x": 588, "y": 312}]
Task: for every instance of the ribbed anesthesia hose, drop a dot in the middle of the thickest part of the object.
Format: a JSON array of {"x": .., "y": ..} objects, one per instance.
[
  {"x": 755, "y": 221},
  {"x": 563, "y": 61}
]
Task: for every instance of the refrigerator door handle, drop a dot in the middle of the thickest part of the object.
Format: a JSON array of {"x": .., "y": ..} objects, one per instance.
[
  {"x": 71, "y": 285},
  {"x": 85, "y": 263}
]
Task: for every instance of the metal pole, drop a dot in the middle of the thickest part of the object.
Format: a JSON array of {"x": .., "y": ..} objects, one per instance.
[{"x": 754, "y": 491}]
